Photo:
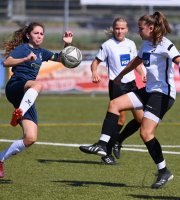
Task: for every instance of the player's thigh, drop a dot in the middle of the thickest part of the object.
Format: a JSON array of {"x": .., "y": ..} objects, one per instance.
[
  {"x": 33, "y": 84},
  {"x": 121, "y": 103}
]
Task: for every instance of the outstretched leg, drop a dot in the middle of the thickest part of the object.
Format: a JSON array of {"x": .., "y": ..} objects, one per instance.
[{"x": 33, "y": 89}]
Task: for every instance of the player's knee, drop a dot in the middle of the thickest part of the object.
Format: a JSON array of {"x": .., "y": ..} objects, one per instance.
[
  {"x": 28, "y": 141},
  {"x": 146, "y": 134},
  {"x": 113, "y": 107},
  {"x": 38, "y": 86}
]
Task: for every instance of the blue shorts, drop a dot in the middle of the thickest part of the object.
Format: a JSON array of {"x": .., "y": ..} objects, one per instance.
[{"x": 15, "y": 92}]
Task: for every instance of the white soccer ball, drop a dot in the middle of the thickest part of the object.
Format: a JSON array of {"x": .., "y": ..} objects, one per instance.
[{"x": 71, "y": 57}]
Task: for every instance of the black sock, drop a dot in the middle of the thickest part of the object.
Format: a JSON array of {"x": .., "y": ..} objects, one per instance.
[
  {"x": 109, "y": 124},
  {"x": 129, "y": 129},
  {"x": 162, "y": 170},
  {"x": 155, "y": 150},
  {"x": 113, "y": 139},
  {"x": 118, "y": 128},
  {"x": 112, "y": 142},
  {"x": 103, "y": 143}
]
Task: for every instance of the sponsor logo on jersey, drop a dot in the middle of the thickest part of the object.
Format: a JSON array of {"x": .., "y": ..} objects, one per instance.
[
  {"x": 146, "y": 59},
  {"x": 124, "y": 59}
]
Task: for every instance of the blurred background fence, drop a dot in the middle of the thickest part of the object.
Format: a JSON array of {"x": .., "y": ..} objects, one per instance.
[
  {"x": 86, "y": 13},
  {"x": 87, "y": 19}
]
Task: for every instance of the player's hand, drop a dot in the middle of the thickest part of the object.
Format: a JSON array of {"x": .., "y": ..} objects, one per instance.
[
  {"x": 117, "y": 80},
  {"x": 144, "y": 78},
  {"x": 68, "y": 37},
  {"x": 31, "y": 57},
  {"x": 95, "y": 78}
]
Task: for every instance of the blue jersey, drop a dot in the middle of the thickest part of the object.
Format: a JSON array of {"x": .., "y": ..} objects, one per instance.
[{"x": 29, "y": 70}]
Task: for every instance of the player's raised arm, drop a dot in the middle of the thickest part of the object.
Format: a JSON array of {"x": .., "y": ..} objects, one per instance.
[{"x": 67, "y": 38}]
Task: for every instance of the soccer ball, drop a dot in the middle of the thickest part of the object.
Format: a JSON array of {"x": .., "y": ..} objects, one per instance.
[{"x": 71, "y": 57}]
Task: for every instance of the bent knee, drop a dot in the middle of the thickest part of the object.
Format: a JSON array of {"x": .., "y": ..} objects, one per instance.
[
  {"x": 38, "y": 86},
  {"x": 113, "y": 107},
  {"x": 146, "y": 135},
  {"x": 29, "y": 141}
]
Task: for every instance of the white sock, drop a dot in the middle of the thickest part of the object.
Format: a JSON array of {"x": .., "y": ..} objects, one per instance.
[
  {"x": 13, "y": 149},
  {"x": 104, "y": 138},
  {"x": 28, "y": 99},
  {"x": 161, "y": 165}
]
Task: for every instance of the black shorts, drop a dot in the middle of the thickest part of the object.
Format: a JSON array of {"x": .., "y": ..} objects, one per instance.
[
  {"x": 15, "y": 92},
  {"x": 156, "y": 103},
  {"x": 118, "y": 90}
]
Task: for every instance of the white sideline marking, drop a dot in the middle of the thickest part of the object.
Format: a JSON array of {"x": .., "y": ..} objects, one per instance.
[
  {"x": 124, "y": 149},
  {"x": 144, "y": 150}
]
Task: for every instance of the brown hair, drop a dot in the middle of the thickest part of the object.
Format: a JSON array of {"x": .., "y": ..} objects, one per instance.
[
  {"x": 161, "y": 26},
  {"x": 19, "y": 37},
  {"x": 109, "y": 31}
]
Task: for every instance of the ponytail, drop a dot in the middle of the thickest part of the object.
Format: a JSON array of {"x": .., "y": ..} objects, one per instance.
[{"x": 161, "y": 27}]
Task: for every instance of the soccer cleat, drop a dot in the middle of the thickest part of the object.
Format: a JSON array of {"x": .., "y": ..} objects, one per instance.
[
  {"x": 1, "y": 169},
  {"x": 162, "y": 179},
  {"x": 94, "y": 149},
  {"x": 117, "y": 150},
  {"x": 108, "y": 160},
  {"x": 16, "y": 117}
]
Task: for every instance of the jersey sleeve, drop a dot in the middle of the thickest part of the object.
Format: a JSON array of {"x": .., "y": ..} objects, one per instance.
[
  {"x": 172, "y": 52},
  {"x": 19, "y": 52},
  {"x": 102, "y": 54},
  {"x": 47, "y": 55}
]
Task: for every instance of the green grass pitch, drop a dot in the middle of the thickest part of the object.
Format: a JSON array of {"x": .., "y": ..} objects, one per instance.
[{"x": 51, "y": 172}]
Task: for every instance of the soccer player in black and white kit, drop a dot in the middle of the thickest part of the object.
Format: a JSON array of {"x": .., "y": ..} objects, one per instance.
[
  {"x": 117, "y": 52},
  {"x": 157, "y": 53}
]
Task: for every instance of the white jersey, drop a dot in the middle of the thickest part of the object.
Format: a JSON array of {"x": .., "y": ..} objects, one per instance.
[
  {"x": 117, "y": 55},
  {"x": 159, "y": 66}
]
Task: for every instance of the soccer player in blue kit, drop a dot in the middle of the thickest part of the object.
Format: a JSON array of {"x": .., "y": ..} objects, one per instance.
[
  {"x": 157, "y": 53},
  {"x": 24, "y": 54}
]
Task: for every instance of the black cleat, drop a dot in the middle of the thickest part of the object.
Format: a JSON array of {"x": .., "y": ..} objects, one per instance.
[
  {"x": 108, "y": 160},
  {"x": 117, "y": 150},
  {"x": 162, "y": 179},
  {"x": 94, "y": 149}
]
